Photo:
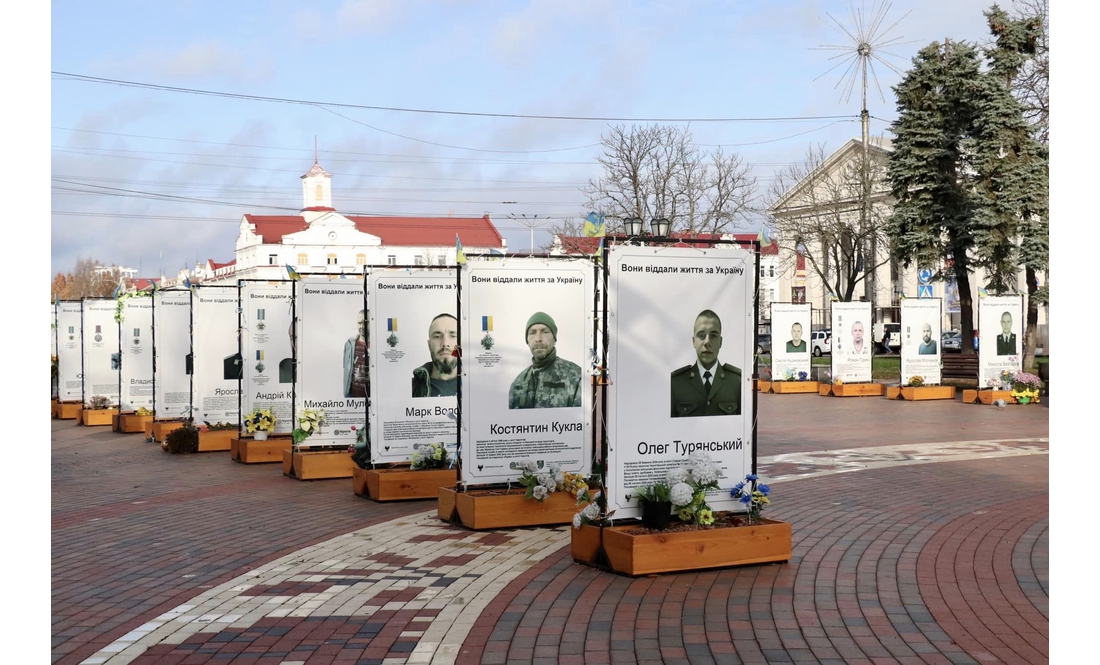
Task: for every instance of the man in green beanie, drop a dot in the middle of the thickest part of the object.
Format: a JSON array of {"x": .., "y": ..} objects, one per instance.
[{"x": 550, "y": 382}]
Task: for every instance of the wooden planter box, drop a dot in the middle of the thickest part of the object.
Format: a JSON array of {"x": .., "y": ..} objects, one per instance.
[
  {"x": 859, "y": 390},
  {"x": 763, "y": 385},
  {"x": 250, "y": 451},
  {"x": 97, "y": 417},
  {"x": 493, "y": 509},
  {"x": 148, "y": 429},
  {"x": 824, "y": 389},
  {"x": 216, "y": 440},
  {"x": 403, "y": 484},
  {"x": 317, "y": 464},
  {"x": 629, "y": 554},
  {"x": 131, "y": 423},
  {"x": 927, "y": 392},
  {"x": 792, "y": 387},
  {"x": 53, "y": 407},
  {"x": 359, "y": 481},
  {"x": 987, "y": 396},
  {"x": 69, "y": 410},
  {"x": 162, "y": 428}
]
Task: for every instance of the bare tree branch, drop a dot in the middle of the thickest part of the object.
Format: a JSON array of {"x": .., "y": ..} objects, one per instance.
[{"x": 815, "y": 207}]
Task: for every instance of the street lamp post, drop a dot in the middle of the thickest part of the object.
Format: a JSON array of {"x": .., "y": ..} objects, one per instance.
[
  {"x": 635, "y": 226},
  {"x": 530, "y": 224}
]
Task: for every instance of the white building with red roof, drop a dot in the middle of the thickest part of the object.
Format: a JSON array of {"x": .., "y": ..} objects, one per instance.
[{"x": 320, "y": 239}]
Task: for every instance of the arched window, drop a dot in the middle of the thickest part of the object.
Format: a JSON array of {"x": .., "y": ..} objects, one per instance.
[
  {"x": 360, "y": 259},
  {"x": 303, "y": 259},
  {"x": 319, "y": 194}
]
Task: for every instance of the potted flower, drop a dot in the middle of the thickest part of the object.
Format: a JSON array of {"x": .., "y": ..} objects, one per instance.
[
  {"x": 309, "y": 422},
  {"x": 1025, "y": 387},
  {"x": 435, "y": 457},
  {"x": 260, "y": 423},
  {"x": 715, "y": 540},
  {"x": 754, "y": 495},
  {"x": 359, "y": 452},
  {"x": 98, "y": 402},
  {"x": 916, "y": 381},
  {"x": 656, "y": 502}
]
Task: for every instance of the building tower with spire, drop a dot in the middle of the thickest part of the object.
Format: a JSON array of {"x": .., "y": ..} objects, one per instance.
[{"x": 317, "y": 189}]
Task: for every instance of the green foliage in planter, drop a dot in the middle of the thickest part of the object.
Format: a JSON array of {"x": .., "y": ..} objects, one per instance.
[
  {"x": 183, "y": 440},
  {"x": 219, "y": 426}
]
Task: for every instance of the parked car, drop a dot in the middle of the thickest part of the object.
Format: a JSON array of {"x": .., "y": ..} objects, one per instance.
[
  {"x": 890, "y": 339},
  {"x": 763, "y": 344},
  {"x": 951, "y": 341},
  {"x": 821, "y": 342}
]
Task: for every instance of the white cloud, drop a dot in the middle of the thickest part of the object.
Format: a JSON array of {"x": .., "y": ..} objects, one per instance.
[
  {"x": 372, "y": 16},
  {"x": 202, "y": 60},
  {"x": 544, "y": 22}
]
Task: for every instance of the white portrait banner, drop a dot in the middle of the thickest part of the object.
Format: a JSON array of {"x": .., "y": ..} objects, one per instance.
[
  {"x": 920, "y": 339},
  {"x": 680, "y": 365},
  {"x": 53, "y": 347},
  {"x": 135, "y": 346},
  {"x": 69, "y": 376},
  {"x": 100, "y": 344},
  {"x": 1005, "y": 316},
  {"x": 851, "y": 341},
  {"x": 172, "y": 354},
  {"x": 267, "y": 380},
  {"x": 527, "y": 368},
  {"x": 332, "y": 341},
  {"x": 790, "y": 341},
  {"x": 217, "y": 362},
  {"x": 414, "y": 328}
]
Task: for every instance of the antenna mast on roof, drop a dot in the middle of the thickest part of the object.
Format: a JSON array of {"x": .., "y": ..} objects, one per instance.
[
  {"x": 314, "y": 148},
  {"x": 866, "y": 44}
]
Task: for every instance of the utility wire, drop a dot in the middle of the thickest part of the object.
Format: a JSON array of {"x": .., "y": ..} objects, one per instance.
[
  {"x": 526, "y": 116},
  {"x": 418, "y": 157}
]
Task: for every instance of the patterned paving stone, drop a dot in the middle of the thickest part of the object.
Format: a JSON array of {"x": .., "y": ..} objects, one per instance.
[
  {"x": 153, "y": 563},
  {"x": 382, "y": 592}
]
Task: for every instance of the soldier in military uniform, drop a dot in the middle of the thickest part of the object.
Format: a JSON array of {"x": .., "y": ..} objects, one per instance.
[
  {"x": 706, "y": 387},
  {"x": 550, "y": 382},
  {"x": 439, "y": 376}
]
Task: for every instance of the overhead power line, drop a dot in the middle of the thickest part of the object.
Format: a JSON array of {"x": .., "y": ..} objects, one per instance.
[{"x": 400, "y": 109}]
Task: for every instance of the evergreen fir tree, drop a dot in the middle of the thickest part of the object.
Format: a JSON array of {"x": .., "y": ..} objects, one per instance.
[
  {"x": 969, "y": 178},
  {"x": 930, "y": 169},
  {"x": 1015, "y": 42}
]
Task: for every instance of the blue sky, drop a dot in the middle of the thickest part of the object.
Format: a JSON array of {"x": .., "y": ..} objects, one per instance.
[{"x": 550, "y": 57}]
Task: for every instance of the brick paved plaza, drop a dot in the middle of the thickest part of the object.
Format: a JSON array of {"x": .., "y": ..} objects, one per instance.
[{"x": 920, "y": 536}]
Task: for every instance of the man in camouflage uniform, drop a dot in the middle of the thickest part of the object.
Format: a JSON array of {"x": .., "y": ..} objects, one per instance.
[
  {"x": 550, "y": 382},
  {"x": 707, "y": 387}
]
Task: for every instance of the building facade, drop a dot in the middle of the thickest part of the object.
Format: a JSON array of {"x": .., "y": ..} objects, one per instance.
[
  {"x": 319, "y": 239},
  {"x": 829, "y": 197}
]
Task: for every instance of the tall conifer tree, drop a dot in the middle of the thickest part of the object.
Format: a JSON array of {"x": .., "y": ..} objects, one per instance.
[{"x": 969, "y": 179}]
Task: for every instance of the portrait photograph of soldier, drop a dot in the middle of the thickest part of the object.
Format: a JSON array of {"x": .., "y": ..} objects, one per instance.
[
  {"x": 1006, "y": 341},
  {"x": 549, "y": 382},
  {"x": 355, "y": 361},
  {"x": 858, "y": 347},
  {"x": 796, "y": 344},
  {"x": 707, "y": 387},
  {"x": 927, "y": 345},
  {"x": 439, "y": 376}
]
